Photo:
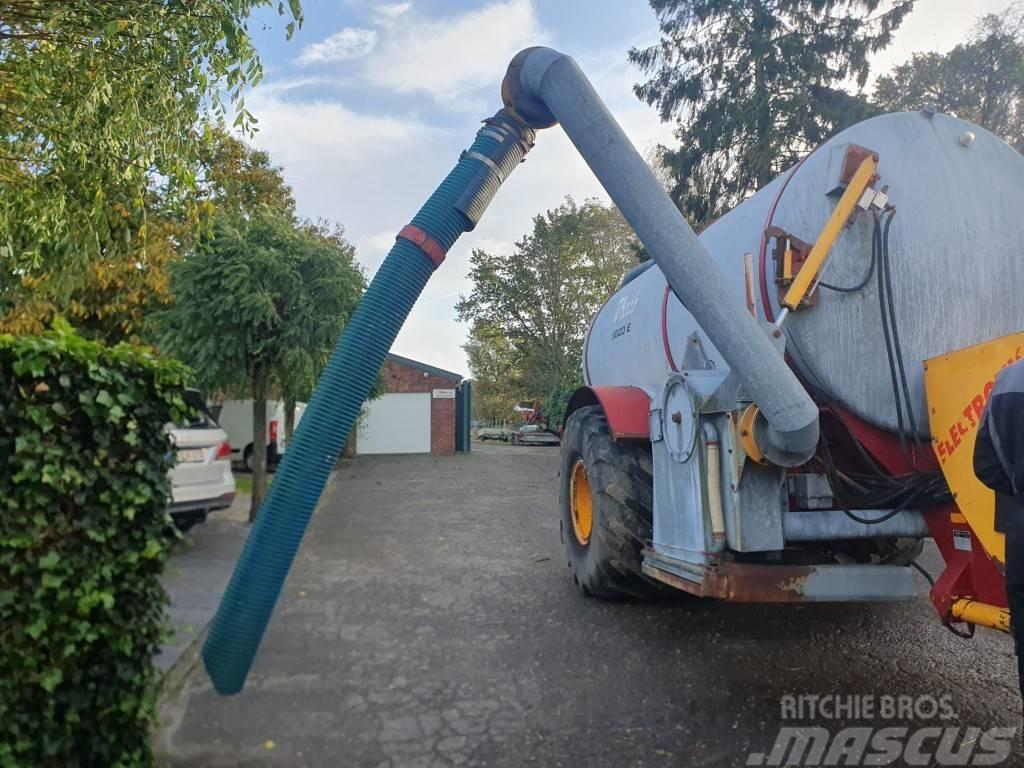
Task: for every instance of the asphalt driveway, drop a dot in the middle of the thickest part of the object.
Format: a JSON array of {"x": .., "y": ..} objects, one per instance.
[{"x": 430, "y": 621}]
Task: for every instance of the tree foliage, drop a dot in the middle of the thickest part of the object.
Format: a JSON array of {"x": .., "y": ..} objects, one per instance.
[
  {"x": 329, "y": 271},
  {"x": 981, "y": 80},
  {"x": 106, "y": 108},
  {"x": 754, "y": 83},
  {"x": 529, "y": 309},
  {"x": 260, "y": 304},
  {"x": 497, "y": 384},
  {"x": 241, "y": 179},
  {"x": 108, "y": 297}
]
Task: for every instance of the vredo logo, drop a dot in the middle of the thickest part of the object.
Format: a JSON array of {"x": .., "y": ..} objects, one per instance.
[{"x": 626, "y": 306}]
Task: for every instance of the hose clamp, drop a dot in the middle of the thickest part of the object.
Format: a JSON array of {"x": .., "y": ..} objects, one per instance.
[
  {"x": 433, "y": 249},
  {"x": 486, "y": 161}
]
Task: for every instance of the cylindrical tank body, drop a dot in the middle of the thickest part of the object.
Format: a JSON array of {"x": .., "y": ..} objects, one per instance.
[{"x": 956, "y": 264}]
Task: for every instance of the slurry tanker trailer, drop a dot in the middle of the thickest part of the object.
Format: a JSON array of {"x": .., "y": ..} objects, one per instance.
[{"x": 782, "y": 409}]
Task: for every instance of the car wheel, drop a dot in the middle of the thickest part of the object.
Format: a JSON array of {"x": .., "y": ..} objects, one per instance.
[{"x": 247, "y": 458}]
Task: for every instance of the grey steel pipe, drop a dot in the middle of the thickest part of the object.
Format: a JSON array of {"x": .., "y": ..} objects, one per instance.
[
  {"x": 542, "y": 87},
  {"x": 831, "y": 525}
]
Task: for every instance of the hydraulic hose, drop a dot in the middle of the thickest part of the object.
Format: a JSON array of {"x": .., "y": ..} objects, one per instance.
[
  {"x": 543, "y": 86},
  {"x": 455, "y": 207}
]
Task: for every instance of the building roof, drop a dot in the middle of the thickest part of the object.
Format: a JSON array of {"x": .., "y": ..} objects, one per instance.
[{"x": 456, "y": 377}]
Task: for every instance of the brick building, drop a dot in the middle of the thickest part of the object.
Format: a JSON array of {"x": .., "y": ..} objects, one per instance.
[{"x": 417, "y": 413}]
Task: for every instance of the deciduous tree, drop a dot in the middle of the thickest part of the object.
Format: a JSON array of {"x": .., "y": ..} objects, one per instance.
[
  {"x": 105, "y": 107},
  {"x": 529, "y": 309},
  {"x": 981, "y": 80},
  {"x": 327, "y": 262},
  {"x": 259, "y": 304},
  {"x": 497, "y": 384}
]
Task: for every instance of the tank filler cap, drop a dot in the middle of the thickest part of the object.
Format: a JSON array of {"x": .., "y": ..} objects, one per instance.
[{"x": 967, "y": 138}]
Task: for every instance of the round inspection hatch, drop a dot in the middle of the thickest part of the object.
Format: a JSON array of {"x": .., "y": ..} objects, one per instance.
[{"x": 679, "y": 416}]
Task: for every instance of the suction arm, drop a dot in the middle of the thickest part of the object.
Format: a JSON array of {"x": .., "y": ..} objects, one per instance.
[{"x": 542, "y": 87}]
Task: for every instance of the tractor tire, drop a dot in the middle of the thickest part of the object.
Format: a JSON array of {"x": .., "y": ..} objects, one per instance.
[{"x": 604, "y": 546}]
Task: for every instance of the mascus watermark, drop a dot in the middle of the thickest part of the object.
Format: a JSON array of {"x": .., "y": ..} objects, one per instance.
[{"x": 937, "y": 744}]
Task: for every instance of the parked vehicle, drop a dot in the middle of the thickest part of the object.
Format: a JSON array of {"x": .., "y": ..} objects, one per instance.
[
  {"x": 235, "y": 416},
  {"x": 493, "y": 433},
  {"x": 201, "y": 480},
  {"x": 535, "y": 434}
]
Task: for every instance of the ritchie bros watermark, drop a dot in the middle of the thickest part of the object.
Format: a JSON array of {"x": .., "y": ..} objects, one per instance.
[{"x": 876, "y": 730}]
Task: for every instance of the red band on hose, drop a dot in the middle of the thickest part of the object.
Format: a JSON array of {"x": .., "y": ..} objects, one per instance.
[{"x": 424, "y": 242}]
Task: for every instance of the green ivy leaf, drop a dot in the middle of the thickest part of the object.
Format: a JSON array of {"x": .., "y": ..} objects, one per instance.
[
  {"x": 49, "y": 561},
  {"x": 52, "y": 679},
  {"x": 153, "y": 549}
]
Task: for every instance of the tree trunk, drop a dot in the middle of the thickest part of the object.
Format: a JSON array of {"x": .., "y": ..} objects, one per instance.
[
  {"x": 289, "y": 420},
  {"x": 259, "y": 441}
]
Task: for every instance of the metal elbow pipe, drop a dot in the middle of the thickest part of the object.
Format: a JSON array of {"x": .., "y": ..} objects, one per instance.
[{"x": 542, "y": 87}]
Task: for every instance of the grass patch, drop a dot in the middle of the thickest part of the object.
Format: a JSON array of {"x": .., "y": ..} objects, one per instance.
[{"x": 243, "y": 482}]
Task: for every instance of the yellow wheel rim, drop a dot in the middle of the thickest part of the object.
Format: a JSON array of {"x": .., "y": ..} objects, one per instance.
[{"x": 582, "y": 503}]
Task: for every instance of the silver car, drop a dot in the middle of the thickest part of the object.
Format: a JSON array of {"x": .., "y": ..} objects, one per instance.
[{"x": 201, "y": 480}]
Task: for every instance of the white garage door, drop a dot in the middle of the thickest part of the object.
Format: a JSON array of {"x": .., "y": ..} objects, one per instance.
[{"x": 398, "y": 422}]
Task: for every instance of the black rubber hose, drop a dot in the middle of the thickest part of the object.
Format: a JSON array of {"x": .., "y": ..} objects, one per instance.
[
  {"x": 830, "y": 470},
  {"x": 882, "y": 305},
  {"x": 897, "y": 348},
  {"x": 864, "y": 281}
]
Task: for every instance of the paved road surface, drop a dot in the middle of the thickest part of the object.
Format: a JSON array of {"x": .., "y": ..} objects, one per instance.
[{"x": 430, "y": 621}]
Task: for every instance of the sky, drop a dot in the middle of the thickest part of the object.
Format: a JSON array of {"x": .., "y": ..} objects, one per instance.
[{"x": 368, "y": 106}]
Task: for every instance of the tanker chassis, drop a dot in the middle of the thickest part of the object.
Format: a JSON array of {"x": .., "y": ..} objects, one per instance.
[{"x": 885, "y": 269}]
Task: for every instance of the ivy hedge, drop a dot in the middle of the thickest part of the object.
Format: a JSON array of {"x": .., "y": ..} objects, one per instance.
[{"x": 84, "y": 532}]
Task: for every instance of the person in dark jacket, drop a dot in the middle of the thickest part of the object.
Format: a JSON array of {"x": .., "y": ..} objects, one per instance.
[{"x": 999, "y": 464}]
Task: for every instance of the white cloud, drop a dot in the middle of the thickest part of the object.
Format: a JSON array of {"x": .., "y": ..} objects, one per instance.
[
  {"x": 390, "y": 11},
  {"x": 285, "y": 84},
  {"x": 449, "y": 57},
  {"x": 349, "y": 43},
  {"x": 373, "y": 248}
]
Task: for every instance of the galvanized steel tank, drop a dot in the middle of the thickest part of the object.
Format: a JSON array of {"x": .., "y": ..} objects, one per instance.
[{"x": 957, "y": 269}]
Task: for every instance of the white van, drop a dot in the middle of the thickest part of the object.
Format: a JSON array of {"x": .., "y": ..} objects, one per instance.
[{"x": 235, "y": 418}]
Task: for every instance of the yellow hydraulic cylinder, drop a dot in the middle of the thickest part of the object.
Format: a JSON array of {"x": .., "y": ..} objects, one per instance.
[
  {"x": 844, "y": 209},
  {"x": 982, "y": 614}
]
